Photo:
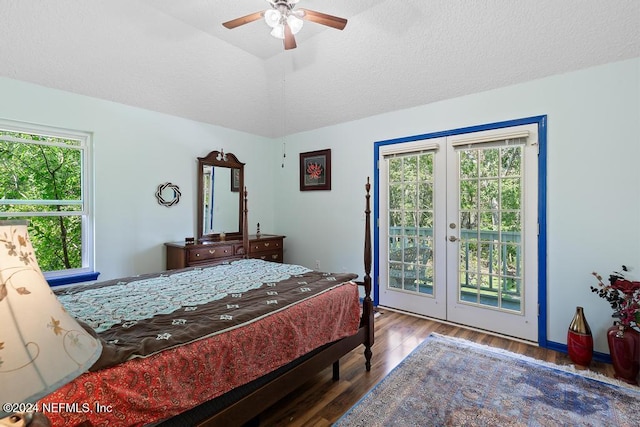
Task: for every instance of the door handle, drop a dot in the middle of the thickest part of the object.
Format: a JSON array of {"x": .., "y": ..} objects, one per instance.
[{"x": 453, "y": 239}]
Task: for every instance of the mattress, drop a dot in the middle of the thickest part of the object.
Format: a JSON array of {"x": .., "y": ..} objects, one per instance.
[{"x": 174, "y": 340}]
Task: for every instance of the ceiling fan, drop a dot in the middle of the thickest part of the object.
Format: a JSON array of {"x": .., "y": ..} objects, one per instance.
[{"x": 286, "y": 22}]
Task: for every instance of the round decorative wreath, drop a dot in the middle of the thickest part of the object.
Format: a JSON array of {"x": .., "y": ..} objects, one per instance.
[{"x": 161, "y": 194}]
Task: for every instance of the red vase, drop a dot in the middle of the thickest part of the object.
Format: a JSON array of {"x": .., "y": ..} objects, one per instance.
[
  {"x": 624, "y": 347},
  {"x": 580, "y": 340}
]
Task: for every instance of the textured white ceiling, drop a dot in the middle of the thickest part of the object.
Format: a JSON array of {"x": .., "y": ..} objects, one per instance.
[{"x": 175, "y": 57}]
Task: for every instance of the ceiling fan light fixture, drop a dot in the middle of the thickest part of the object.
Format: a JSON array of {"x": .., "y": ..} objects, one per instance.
[
  {"x": 278, "y": 32},
  {"x": 295, "y": 23},
  {"x": 272, "y": 17}
]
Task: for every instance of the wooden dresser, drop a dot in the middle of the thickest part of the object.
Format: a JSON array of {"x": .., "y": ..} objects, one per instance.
[{"x": 268, "y": 247}]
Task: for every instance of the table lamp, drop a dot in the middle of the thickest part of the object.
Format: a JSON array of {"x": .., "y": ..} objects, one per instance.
[{"x": 42, "y": 347}]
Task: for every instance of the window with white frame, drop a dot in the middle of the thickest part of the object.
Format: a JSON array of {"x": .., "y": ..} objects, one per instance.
[{"x": 45, "y": 179}]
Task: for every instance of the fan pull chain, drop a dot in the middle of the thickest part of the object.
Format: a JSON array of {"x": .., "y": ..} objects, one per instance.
[{"x": 284, "y": 152}]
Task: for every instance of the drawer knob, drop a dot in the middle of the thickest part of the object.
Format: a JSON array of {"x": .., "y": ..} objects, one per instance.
[{"x": 197, "y": 254}]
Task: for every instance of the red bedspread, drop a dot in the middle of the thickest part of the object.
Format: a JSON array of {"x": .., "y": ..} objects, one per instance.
[{"x": 146, "y": 390}]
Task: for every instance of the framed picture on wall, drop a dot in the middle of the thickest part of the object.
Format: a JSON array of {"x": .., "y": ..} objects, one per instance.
[
  {"x": 235, "y": 180},
  {"x": 315, "y": 170}
]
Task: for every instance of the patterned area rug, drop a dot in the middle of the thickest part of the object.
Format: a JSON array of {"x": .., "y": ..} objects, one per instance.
[{"x": 452, "y": 382}]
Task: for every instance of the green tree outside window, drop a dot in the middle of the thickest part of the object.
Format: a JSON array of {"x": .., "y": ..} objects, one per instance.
[{"x": 41, "y": 180}]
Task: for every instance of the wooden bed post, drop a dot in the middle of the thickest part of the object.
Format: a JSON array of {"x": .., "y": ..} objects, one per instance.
[
  {"x": 245, "y": 225},
  {"x": 250, "y": 405},
  {"x": 367, "y": 304}
]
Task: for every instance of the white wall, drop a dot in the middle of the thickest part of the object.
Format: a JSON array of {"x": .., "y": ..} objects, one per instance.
[
  {"x": 136, "y": 150},
  {"x": 593, "y": 203},
  {"x": 593, "y": 177}
]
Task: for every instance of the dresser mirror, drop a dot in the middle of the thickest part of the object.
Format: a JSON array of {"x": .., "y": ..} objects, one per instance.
[{"x": 220, "y": 180}]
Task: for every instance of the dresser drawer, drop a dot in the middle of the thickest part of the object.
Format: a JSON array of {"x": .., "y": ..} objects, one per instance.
[
  {"x": 210, "y": 252},
  {"x": 266, "y": 245},
  {"x": 238, "y": 249},
  {"x": 273, "y": 256}
]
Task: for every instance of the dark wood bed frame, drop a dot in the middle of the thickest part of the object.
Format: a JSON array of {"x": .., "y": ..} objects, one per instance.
[
  {"x": 244, "y": 405},
  {"x": 249, "y": 407}
]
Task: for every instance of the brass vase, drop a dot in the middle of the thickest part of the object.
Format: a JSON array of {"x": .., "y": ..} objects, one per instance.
[{"x": 579, "y": 339}]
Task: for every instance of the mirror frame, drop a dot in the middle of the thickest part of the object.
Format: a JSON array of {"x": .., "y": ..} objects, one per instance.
[{"x": 224, "y": 160}]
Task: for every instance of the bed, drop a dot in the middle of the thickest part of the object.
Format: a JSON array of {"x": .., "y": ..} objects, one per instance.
[{"x": 211, "y": 345}]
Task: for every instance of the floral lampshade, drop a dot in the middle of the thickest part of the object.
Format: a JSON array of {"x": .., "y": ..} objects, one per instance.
[{"x": 42, "y": 347}]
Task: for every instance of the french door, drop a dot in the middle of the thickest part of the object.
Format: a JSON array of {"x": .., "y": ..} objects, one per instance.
[{"x": 459, "y": 229}]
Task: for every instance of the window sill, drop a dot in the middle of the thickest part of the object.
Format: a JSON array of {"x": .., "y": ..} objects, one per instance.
[{"x": 73, "y": 278}]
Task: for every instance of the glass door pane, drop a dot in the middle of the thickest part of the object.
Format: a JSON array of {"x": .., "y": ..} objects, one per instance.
[
  {"x": 410, "y": 223},
  {"x": 490, "y": 200}
]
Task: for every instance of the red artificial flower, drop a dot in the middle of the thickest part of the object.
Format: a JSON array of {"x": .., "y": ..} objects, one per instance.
[
  {"x": 626, "y": 286},
  {"x": 622, "y": 294}
]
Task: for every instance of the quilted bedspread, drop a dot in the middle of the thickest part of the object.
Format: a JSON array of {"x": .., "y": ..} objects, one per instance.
[{"x": 174, "y": 340}]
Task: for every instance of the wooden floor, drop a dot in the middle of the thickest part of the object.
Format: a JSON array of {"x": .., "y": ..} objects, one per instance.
[{"x": 320, "y": 401}]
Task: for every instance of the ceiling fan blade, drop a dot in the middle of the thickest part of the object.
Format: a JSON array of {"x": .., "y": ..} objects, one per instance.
[
  {"x": 323, "y": 18},
  {"x": 243, "y": 20},
  {"x": 289, "y": 39}
]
